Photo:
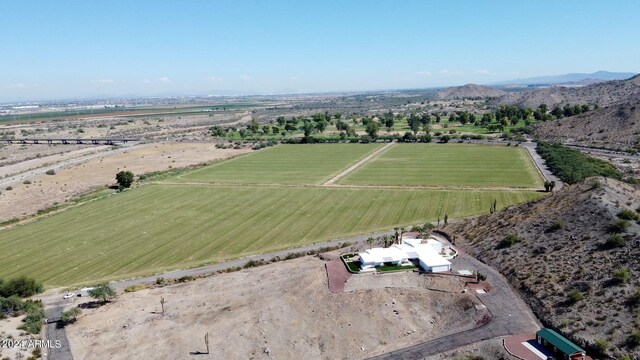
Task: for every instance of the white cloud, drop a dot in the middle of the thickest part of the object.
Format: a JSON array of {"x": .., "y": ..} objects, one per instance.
[
  {"x": 215, "y": 78},
  {"x": 450, "y": 72},
  {"x": 246, "y": 77},
  {"x": 164, "y": 79},
  {"x": 482, "y": 72},
  {"x": 146, "y": 81},
  {"x": 102, "y": 81},
  {"x": 424, "y": 73},
  {"x": 17, "y": 86}
]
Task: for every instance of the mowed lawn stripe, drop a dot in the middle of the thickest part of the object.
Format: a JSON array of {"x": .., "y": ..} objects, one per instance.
[
  {"x": 445, "y": 165},
  {"x": 283, "y": 164},
  {"x": 162, "y": 227}
]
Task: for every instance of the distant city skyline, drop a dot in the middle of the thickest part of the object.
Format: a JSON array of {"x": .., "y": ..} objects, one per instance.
[{"x": 79, "y": 49}]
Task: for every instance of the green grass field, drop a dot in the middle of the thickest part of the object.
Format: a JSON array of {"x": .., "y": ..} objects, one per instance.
[
  {"x": 161, "y": 227},
  {"x": 272, "y": 200},
  {"x": 285, "y": 164},
  {"x": 448, "y": 165}
]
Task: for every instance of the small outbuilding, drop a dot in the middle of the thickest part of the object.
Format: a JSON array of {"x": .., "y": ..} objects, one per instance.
[{"x": 560, "y": 345}]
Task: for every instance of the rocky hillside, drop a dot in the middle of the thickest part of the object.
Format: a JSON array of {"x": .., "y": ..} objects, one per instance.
[
  {"x": 603, "y": 94},
  {"x": 575, "y": 256},
  {"x": 469, "y": 91},
  {"x": 613, "y": 127}
]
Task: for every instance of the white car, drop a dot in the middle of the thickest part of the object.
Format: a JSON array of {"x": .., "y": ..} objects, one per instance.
[{"x": 69, "y": 295}]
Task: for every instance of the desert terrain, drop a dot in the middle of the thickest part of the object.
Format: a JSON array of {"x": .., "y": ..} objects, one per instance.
[
  {"x": 98, "y": 171},
  {"x": 277, "y": 311}
]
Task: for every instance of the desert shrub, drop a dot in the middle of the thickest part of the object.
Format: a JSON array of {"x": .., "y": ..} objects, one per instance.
[
  {"x": 27, "y": 182},
  {"x": 627, "y": 214},
  {"x": 634, "y": 338},
  {"x": 35, "y": 316},
  {"x": 618, "y": 225},
  {"x": 615, "y": 240},
  {"x": 50, "y": 172},
  {"x": 601, "y": 345},
  {"x": 508, "y": 241},
  {"x": 134, "y": 288},
  {"x": 557, "y": 225},
  {"x": 186, "y": 278},
  {"x": 160, "y": 281},
  {"x": 575, "y": 295},
  {"x": 621, "y": 275},
  {"x": 254, "y": 263},
  {"x": 9, "y": 188}
]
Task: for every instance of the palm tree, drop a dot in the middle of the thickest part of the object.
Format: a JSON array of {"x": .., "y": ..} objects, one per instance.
[
  {"x": 402, "y": 231},
  {"x": 396, "y": 233},
  {"x": 371, "y": 240}
]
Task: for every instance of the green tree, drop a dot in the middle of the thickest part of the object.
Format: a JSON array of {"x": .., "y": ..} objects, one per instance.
[
  {"x": 21, "y": 286},
  {"x": 372, "y": 128},
  {"x": 102, "y": 292},
  {"x": 124, "y": 179},
  {"x": 308, "y": 128},
  {"x": 69, "y": 316},
  {"x": 280, "y": 120}
]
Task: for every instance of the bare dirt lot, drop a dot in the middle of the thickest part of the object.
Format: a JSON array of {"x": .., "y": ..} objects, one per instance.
[
  {"x": 47, "y": 190},
  {"x": 279, "y": 311}
]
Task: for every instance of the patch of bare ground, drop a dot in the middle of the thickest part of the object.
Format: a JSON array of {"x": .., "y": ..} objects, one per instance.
[
  {"x": 47, "y": 190},
  {"x": 278, "y": 311},
  {"x": 489, "y": 349},
  {"x": 574, "y": 255},
  {"x": 9, "y": 332}
]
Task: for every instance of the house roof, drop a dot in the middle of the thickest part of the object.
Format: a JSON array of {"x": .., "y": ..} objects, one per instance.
[
  {"x": 430, "y": 256},
  {"x": 380, "y": 255},
  {"x": 559, "y": 341}
]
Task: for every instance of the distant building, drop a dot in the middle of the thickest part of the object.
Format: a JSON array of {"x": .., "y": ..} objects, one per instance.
[
  {"x": 560, "y": 345},
  {"x": 426, "y": 252}
]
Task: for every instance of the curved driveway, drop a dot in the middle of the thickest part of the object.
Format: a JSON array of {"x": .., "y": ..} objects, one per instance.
[{"x": 510, "y": 315}]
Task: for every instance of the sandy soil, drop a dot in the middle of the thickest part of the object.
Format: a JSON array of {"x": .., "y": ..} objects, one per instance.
[
  {"x": 280, "y": 311},
  {"x": 46, "y": 190},
  {"x": 9, "y": 330}
]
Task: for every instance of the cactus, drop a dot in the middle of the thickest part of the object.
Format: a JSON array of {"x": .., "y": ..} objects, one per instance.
[
  {"x": 206, "y": 341},
  {"x": 162, "y": 304}
]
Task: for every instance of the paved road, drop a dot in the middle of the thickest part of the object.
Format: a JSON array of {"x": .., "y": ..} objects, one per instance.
[
  {"x": 511, "y": 315},
  {"x": 53, "y": 333}
]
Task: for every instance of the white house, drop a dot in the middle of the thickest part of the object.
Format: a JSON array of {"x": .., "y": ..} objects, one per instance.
[{"x": 427, "y": 252}]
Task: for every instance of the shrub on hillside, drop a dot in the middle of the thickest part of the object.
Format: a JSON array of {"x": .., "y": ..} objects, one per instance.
[
  {"x": 575, "y": 295},
  {"x": 508, "y": 241},
  {"x": 557, "y": 225},
  {"x": 621, "y": 275},
  {"x": 615, "y": 240},
  {"x": 50, "y": 172},
  {"x": 601, "y": 346},
  {"x": 618, "y": 225},
  {"x": 627, "y": 214}
]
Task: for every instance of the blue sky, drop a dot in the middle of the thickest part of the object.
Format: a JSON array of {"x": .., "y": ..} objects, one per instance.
[{"x": 78, "y": 49}]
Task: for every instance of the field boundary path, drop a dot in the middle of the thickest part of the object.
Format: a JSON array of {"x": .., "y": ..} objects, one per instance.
[
  {"x": 541, "y": 165},
  {"x": 510, "y": 316},
  {"x": 353, "y": 167}
]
